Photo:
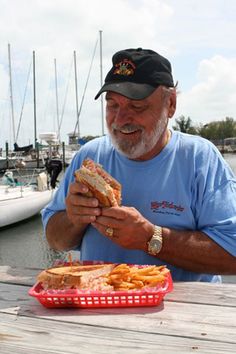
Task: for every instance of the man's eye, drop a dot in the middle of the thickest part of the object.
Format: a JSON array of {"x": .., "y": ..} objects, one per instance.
[
  {"x": 111, "y": 104},
  {"x": 138, "y": 108}
]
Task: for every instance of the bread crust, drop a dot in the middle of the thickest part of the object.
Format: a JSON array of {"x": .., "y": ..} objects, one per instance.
[
  {"x": 101, "y": 185},
  {"x": 73, "y": 277}
]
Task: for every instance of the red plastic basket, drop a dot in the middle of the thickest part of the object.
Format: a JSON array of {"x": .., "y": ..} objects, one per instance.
[{"x": 91, "y": 299}]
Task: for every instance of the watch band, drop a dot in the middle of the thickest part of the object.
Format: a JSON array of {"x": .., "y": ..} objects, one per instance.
[{"x": 155, "y": 243}]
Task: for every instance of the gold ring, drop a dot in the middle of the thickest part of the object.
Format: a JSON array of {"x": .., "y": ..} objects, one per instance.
[{"x": 109, "y": 231}]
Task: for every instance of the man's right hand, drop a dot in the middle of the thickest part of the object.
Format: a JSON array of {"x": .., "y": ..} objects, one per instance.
[
  {"x": 80, "y": 208},
  {"x": 65, "y": 229}
]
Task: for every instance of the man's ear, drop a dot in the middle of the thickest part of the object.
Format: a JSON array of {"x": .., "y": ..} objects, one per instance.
[{"x": 172, "y": 104}]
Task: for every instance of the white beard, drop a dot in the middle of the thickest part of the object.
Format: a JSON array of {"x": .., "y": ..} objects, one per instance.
[{"x": 147, "y": 142}]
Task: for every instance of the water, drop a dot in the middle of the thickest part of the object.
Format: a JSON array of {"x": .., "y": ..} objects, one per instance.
[{"x": 23, "y": 244}]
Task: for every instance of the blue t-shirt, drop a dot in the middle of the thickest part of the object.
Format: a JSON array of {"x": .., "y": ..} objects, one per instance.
[{"x": 188, "y": 186}]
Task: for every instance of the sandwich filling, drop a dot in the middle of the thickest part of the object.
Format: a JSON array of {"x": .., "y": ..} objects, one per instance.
[{"x": 102, "y": 185}]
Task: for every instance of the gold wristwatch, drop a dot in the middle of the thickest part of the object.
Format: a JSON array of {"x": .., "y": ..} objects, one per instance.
[{"x": 155, "y": 243}]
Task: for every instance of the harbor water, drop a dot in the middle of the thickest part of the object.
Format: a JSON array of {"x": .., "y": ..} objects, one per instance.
[{"x": 23, "y": 244}]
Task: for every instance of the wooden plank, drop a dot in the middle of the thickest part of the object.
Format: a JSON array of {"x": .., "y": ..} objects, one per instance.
[
  {"x": 31, "y": 335},
  {"x": 191, "y": 292},
  {"x": 172, "y": 318},
  {"x": 204, "y": 293},
  {"x": 196, "y": 292},
  {"x": 190, "y": 320},
  {"x": 23, "y": 276},
  {"x": 14, "y": 296},
  {"x": 219, "y": 294}
]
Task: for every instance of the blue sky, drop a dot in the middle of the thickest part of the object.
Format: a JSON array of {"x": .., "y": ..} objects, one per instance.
[{"x": 198, "y": 37}]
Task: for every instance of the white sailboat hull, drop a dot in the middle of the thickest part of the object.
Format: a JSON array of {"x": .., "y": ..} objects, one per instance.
[{"x": 21, "y": 203}]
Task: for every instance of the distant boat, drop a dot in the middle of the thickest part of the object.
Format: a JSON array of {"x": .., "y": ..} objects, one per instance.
[
  {"x": 6, "y": 163},
  {"x": 25, "y": 149},
  {"x": 20, "y": 202},
  {"x": 21, "y": 160}
]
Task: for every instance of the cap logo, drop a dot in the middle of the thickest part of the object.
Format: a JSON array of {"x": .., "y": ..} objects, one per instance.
[{"x": 125, "y": 67}]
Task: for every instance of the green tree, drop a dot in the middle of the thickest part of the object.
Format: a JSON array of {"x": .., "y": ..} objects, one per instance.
[
  {"x": 208, "y": 131},
  {"x": 185, "y": 125},
  {"x": 218, "y": 130},
  {"x": 227, "y": 128}
]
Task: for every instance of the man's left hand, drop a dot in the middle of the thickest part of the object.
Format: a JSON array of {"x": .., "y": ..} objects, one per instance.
[{"x": 124, "y": 226}]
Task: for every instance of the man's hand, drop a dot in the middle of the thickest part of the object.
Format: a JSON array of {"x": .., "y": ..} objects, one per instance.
[
  {"x": 65, "y": 229},
  {"x": 80, "y": 208},
  {"x": 187, "y": 249},
  {"x": 130, "y": 229}
]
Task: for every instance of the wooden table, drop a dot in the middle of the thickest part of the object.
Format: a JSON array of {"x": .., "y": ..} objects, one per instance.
[{"x": 194, "y": 318}]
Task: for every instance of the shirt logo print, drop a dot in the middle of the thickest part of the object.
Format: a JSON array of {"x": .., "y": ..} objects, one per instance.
[{"x": 165, "y": 207}]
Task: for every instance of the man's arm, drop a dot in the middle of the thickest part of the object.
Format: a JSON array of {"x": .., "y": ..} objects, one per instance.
[
  {"x": 190, "y": 250},
  {"x": 65, "y": 229},
  {"x": 197, "y": 252},
  {"x": 62, "y": 234}
]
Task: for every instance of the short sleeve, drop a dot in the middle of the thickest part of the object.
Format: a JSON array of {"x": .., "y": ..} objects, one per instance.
[{"x": 218, "y": 216}]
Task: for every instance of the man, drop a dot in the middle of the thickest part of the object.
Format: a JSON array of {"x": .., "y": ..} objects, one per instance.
[{"x": 178, "y": 194}]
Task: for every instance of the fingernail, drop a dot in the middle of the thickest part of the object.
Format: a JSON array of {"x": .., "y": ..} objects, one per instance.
[{"x": 95, "y": 202}]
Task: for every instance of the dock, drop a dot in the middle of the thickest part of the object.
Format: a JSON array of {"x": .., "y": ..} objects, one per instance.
[{"x": 194, "y": 318}]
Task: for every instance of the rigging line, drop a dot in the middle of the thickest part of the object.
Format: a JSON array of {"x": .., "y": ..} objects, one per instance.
[
  {"x": 82, "y": 100},
  {"x": 47, "y": 103},
  {"x": 66, "y": 93},
  {"x": 56, "y": 91},
  {"x": 11, "y": 91},
  {"x": 23, "y": 103}
]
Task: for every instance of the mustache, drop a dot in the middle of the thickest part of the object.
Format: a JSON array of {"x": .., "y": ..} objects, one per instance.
[{"x": 126, "y": 127}]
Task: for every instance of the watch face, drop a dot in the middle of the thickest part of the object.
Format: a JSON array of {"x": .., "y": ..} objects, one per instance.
[{"x": 154, "y": 246}]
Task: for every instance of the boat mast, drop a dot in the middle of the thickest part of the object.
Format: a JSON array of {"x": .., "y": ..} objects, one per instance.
[
  {"x": 34, "y": 88},
  {"x": 101, "y": 79},
  {"x": 11, "y": 94},
  {"x": 57, "y": 109},
  {"x": 76, "y": 95}
]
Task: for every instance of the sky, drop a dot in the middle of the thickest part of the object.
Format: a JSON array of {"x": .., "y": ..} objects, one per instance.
[{"x": 198, "y": 37}]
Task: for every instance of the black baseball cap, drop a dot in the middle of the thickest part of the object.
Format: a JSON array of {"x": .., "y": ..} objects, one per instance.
[{"x": 136, "y": 73}]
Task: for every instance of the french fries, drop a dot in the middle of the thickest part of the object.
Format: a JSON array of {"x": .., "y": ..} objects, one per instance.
[{"x": 125, "y": 277}]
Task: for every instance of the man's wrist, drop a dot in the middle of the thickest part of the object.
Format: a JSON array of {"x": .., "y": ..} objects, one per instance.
[{"x": 154, "y": 245}]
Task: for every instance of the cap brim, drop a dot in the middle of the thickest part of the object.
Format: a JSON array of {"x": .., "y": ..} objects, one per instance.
[{"x": 130, "y": 90}]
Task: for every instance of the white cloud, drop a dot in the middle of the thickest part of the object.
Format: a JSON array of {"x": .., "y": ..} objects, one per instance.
[{"x": 213, "y": 96}]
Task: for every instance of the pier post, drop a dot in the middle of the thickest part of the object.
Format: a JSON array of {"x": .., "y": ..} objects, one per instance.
[
  {"x": 7, "y": 155},
  {"x": 63, "y": 156}
]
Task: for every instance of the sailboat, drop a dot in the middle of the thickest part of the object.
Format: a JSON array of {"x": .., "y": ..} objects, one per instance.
[
  {"x": 23, "y": 192},
  {"x": 16, "y": 156},
  {"x": 20, "y": 201}
]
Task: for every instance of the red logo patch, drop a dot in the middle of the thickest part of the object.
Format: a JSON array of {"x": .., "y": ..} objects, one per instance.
[{"x": 124, "y": 67}]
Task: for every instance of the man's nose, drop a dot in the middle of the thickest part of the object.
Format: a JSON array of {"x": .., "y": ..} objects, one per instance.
[{"x": 123, "y": 116}]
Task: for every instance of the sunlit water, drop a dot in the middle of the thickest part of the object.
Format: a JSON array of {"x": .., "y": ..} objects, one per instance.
[{"x": 23, "y": 244}]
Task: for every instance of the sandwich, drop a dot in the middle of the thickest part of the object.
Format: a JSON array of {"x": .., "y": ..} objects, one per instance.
[
  {"x": 103, "y": 277},
  {"x": 100, "y": 183},
  {"x": 86, "y": 277}
]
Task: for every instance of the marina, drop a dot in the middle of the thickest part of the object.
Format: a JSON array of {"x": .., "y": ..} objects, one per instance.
[{"x": 24, "y": 245}]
